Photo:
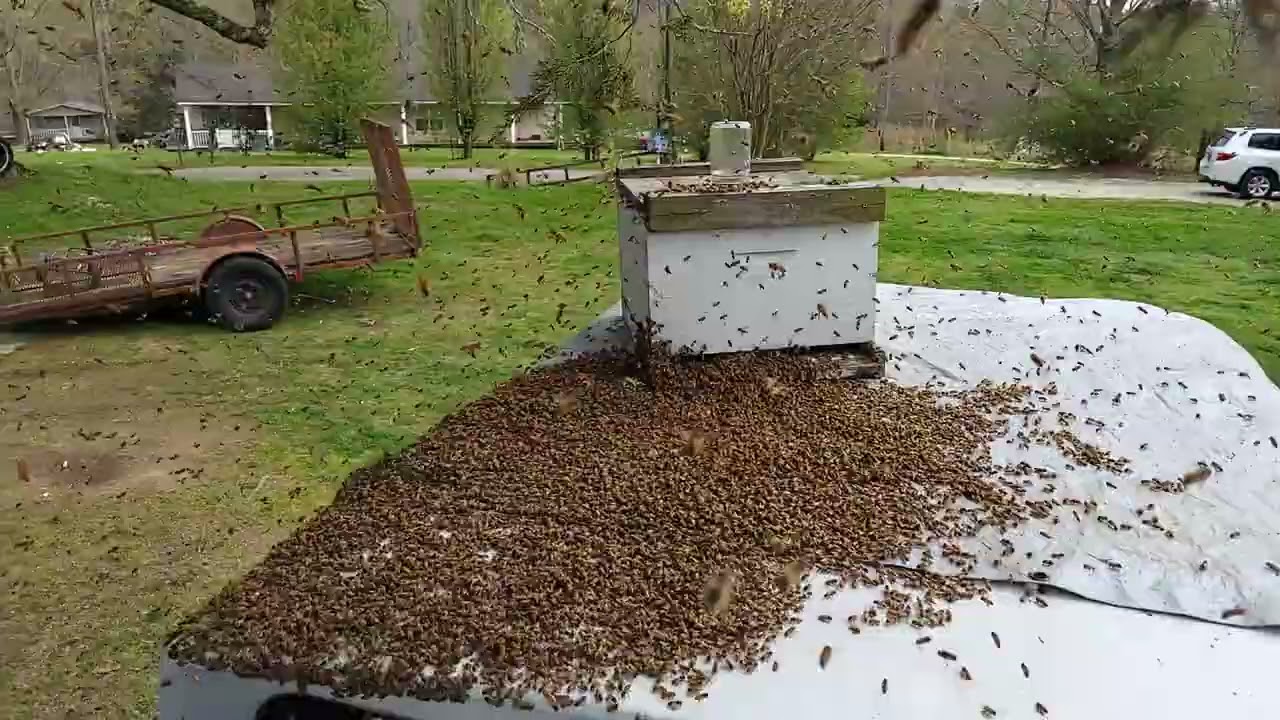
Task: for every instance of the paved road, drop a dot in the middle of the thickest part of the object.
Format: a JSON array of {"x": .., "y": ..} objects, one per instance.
[
  {"x": 1077, "y": 187},
  {"x": 352, "y": 173}
]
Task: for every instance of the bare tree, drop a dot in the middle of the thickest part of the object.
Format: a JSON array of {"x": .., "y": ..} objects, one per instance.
[
  {"x": 32, "y": 65},
  {"x": 465, "y": 41},
  {"x": 781, "y": 65},
  {"x": 587, "y": 63}
]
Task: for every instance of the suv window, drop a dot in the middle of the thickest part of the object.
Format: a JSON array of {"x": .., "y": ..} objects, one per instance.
[
  {"x": 1226, "y": 138},
  {"x": 1265, "y": 141}
]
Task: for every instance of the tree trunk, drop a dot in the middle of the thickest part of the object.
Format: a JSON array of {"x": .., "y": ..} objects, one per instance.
[
  {"x": 1107, "y": 39},
  {"x": 101, "y": 37},
  {"x": 468, "y": 143},
  {"x": 17, "y": 109},
  {"x": 19, "y": 116}
]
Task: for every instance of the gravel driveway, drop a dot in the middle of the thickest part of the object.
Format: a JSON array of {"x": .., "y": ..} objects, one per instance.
[
  {"x": 1052, "y": 186},
  {"x": 1077, "y": 187},
  {"x": 322, "y": 174}
]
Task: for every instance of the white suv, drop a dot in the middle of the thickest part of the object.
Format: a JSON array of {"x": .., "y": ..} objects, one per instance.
[{"x": 1244, "y": 161}]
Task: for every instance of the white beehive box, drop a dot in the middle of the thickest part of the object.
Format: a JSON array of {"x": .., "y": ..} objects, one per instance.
[{"x": 784, "y": 261}]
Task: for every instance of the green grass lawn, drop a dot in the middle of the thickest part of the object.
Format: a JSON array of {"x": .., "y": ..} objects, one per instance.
[
  {"x": 413, "y": 157},
  {"x": 831, "y": 163},
  {"x": 364, "y": 363}
]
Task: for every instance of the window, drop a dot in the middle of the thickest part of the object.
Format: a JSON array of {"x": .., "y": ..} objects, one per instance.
[
  {"x": 1226, "y": 138},
  {"x": 429, "y": 121},
  {"x": 75, "y": 121},
  {"x": 1265, "y": 141}
]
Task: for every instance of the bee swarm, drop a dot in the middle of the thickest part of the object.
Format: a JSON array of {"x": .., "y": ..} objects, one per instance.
[{"x": 578, "y": 528}]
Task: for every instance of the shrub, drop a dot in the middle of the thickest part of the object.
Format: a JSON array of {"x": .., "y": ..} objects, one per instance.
[{"x": 1090, "y": 122}]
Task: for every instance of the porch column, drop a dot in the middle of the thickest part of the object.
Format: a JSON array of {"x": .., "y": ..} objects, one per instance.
[
  {"x": 271, "y": 135},
  {"x": 404, "y": 124},
  {"x": 513, "y": 129},
  {"x": 67, "y": 124},
  {"x": 559, "y": 127},
  {"x": 186, "y": 126},
  {"x": 30, "y": 137}
]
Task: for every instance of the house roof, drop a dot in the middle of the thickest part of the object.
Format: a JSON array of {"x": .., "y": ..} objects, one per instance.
[
  {"x": 67, "y": 108},
  {"x": 212, "y": 84},
  {"x": 218, "y": 83}
]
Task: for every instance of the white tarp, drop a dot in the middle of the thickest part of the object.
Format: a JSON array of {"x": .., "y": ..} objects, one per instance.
[
  {"x": 1186, "y": 391},
  {"x": 1083, "y": 659},
  {"x": 1165, "y": 390}
]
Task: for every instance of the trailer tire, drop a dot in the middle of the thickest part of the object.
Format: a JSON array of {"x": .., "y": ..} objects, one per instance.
[
  {"x": 246, "y": 294},
  {"x": 8, "y": 164}
]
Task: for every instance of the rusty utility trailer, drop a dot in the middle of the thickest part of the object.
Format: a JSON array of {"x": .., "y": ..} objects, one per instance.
[{"x": 236, "y": 267}]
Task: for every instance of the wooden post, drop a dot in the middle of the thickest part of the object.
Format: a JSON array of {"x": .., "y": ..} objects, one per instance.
[
  {"x": 280, "y": 215},
  {"x": 145, "y": 272},
  {"x": 155, "y": 233},
  {"x": 84, "y": 238},
  {"x": 297, "y": 255},
  {"x": 374, "y": 234}
]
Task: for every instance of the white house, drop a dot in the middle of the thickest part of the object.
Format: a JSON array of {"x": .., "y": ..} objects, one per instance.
[
  {"x": 79, "y": 121},
  {"x": 229, "y": 106},
  {"x": 220, "y": 104}
]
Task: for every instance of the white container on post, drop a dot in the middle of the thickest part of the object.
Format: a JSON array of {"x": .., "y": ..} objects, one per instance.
[{"x": 730, "y": 150}]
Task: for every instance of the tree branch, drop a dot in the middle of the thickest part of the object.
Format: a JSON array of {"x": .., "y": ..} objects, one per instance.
[
  {"x": 256, "y": 35},
  {"x": 1013, "y": 54},
  {"x": 522, "y": 19}
]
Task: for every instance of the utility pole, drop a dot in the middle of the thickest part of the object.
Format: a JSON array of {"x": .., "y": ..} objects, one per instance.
[
  {"x": 886, "y": 77},
  {"x": 100, "y": 38},
  {"x": 664, "y": 109}
]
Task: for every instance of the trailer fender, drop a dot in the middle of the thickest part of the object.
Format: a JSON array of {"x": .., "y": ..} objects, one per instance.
[
  {"x": 203, "y": 282},
  {"x": 242, "y": 228}
]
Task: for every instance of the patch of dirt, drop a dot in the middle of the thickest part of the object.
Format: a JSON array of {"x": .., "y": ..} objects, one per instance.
[
  {"x": 69, "y": 468},
  {"x": 73, "y": 421}
]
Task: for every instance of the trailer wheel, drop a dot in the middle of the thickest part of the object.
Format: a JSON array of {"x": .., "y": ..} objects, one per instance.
[
  {"x": 8, "y": 166},
  {"x": 245, "y": 294}
]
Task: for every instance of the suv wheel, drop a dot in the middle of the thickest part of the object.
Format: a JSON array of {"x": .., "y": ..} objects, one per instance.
[{"x": 1256, "y": 184}]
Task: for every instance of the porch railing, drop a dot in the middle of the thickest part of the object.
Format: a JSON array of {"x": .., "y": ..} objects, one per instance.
[{"x": 227, "y": 139}]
